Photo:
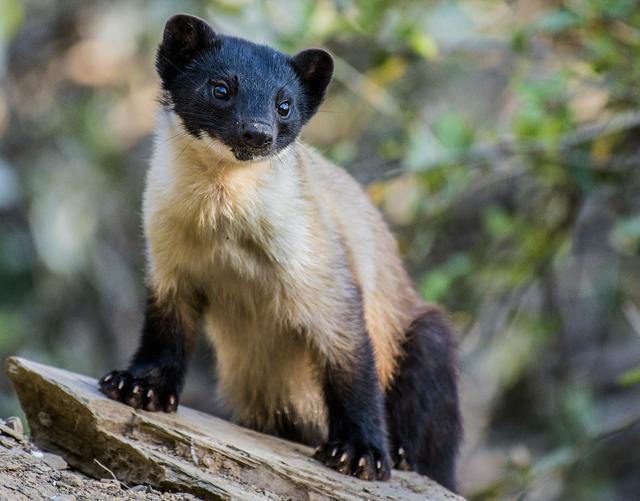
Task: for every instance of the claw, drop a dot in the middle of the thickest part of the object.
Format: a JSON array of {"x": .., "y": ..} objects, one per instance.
[
  {"x": 365, "y": 462},
  {"x": 107, "y": 378},
  {"x": 364, "y": 473},
  {"x": 121, "y": 384}
]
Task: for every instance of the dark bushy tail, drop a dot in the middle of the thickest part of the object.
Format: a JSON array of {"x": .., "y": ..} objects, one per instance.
[{"x": 424, "y": 422}]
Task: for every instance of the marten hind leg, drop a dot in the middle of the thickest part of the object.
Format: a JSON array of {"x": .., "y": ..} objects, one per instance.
[{"x": 423, "y": 416}]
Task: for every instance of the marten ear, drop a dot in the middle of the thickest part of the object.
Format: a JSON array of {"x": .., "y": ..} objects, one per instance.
[
  {"x": 184, "y": 38},
  {"x": 315, "y": 69}
]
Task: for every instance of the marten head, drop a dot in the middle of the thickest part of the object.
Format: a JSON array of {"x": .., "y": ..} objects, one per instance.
[{"x": 250, "y": 99}]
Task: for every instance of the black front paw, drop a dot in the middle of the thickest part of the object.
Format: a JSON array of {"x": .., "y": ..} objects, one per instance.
[
  {"x": 148, "y": 393},
  {"x": 352, "y": 457}
]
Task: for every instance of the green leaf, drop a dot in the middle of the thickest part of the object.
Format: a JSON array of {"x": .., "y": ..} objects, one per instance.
[
  {"x": 630, "y": 378},
  {"x": 424, "y": 45},
  {"x": 12, "y": 14},
  {"x": 625, "y": 236},
  {"x": 454, "y": 132},
  {"x": 498, "y": 222},
  {"x": 435, "y": 284}
]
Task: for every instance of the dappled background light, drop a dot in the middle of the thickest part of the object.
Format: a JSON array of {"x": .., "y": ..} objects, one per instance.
[{"x": 500, "y": 139}]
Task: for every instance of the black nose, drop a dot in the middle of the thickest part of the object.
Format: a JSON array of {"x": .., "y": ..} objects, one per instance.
[{"x": 257, "y": 134}]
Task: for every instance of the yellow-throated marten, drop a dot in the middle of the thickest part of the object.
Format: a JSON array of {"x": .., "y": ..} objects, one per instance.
[{"x": 319, "y": 333}]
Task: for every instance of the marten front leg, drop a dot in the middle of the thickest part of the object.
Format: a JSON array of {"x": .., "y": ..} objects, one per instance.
[
  {"x": 357, "y": 432},
  {"x": 155, "y": 376}
]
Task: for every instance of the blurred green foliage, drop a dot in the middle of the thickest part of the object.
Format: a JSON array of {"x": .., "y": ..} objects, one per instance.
[{"x": 501, "y": 140}]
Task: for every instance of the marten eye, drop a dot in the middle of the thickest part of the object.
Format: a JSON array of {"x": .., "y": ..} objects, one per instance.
[
  {"x": 220, "y": 91},
  {"x": 284, "y": 108}
]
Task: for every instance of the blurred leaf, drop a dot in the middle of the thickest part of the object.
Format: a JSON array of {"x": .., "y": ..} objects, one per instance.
[
  {"x": 436, "y": 283},
  {"x": 11, "y": 330},
  {"x": 421, "y": 147},
  {"x": 630, "y": 378},
  {"x": 554, "y": 461},
  {"x": 557, "y": 20},
  {"x": 424, "y": 45},
  {"x": 520, "y": 41},
  {"x": 576, "y": 417},
  {"x": 391, "y": 70},
  {"x": 453, "y": 131},
  {"x": 11, "y": 16},
  {"x": 498, "y": 222},
  {"x": 625, "y": 236}
]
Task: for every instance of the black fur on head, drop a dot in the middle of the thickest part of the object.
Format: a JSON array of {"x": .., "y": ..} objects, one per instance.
[{"x": 252, "y": 98}]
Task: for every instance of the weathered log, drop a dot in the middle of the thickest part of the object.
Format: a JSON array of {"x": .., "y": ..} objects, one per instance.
[{"x": 188, "y": 451}]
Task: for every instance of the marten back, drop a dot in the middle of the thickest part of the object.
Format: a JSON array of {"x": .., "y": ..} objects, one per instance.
[{"x": 390, "y": 299}]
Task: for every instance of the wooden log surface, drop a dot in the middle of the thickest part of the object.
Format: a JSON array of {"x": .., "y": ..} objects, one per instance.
[{"x": 188, "y": 452}]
